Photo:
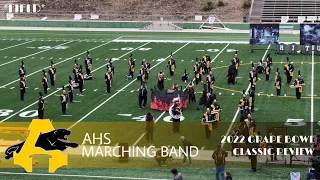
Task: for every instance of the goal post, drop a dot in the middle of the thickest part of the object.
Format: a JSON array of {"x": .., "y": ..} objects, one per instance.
[{"x": 213, "y": 22}]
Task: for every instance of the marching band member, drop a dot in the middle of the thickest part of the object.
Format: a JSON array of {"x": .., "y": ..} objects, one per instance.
[
  {"x": 76, "y": 71},
  {"x": 192, "y": 96},
  {"x": 131, "y": 65},
  {"x": 197, "y": 69},
  {"x": 143, "y": 96},
  {"x": 143, "y": 74},
  {"x": 185, "y": 76},
  {"x": 243, "y": 106},
  {"x": 70, "y": 89},
  {"x": 288, "y": 70},
  {"x": 208, "y": 100},
  {"x": 206, "y": 121},
  {"x": 161, "y": 80},
  {"x": 64, "y": 101},
  {"x": 52, "y": 73},
  {"x": 22, "y": 88},
  {"x": 232, "y": 73},
  {"x": 235, "y": 144},
  {"x": 110, "y": 70},
  {"x": 81, "y": 81},
  {"x": 207, "y": 63},
  {"x": 107, "y": 78},
  {"x": 22, "y": 72},
  {"x": 147, "y": 67},
  {"x": 210, "y": 82},
  {"x": 88, "y": 64},
  {"x": 175, "y": 113},
  {"x": 45, "y": 82},
  {"x": 297, "y": 84},
  {"x": 251, "y": 100},
  {"x": 215, "y": 109},
  {"x": 268, "y": 69},
  {"x": 40, "y": 106},
  {"x": 251, "y": 124},
  {"x": 253, "y": 77},
  {"x": 236, "y": 62},
  {"x": 171, "y": 65},
  {"x": 278, "y": 82}
]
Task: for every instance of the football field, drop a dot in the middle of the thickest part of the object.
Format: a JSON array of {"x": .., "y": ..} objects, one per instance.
[{"x": 119, "y": 110}]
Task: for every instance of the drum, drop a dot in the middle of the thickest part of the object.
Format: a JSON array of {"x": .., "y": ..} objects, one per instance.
[{"x": 260, "y": 68}]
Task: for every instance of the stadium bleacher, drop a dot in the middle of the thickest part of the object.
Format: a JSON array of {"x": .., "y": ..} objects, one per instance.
[{"x": 273, "y": 10}]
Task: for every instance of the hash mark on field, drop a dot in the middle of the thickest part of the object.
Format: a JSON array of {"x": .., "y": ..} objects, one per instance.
[
  {"x": 221, "y": 61},
  {"x": 182, "y": 60},
  {"x": 202, "y": 148},
  {"x": 12, "y": 88},
  {"x": 137, "y": 89},
  {"x": 14, "y": 57},
  {"x": 220, "y": 93},
  {"x": 5, "y": 57},
  {"x": 232, "y": 94},
  {"x": 51, "y": 58},
  {"x": 84, "y": 89},
  {"x": 285, "y": 94},
  {"x": 95, "y": 90},
  {"x": 32, "y": 58},
  {"x": 35, "y": 88},
  {"x": 48, "y": 88},
  {"x": 132, "y": 91},
  {"x": 191, "y": 60},
  {"x": 60, "y": 58},
  {"x": 41, "y": 57}
]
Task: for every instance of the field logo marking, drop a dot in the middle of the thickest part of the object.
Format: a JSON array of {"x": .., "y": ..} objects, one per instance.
[
  {"x": 168, "y": 118},
  {"x": 295, "y": 122}
]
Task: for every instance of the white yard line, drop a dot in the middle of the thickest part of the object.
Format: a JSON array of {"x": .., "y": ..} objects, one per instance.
[
  {"x": 120, "y": 91},
  {"x": 143, "y": 134},
  {"x": 40, "y": 70},
  {"x": 312, "y": 91},
  {"x": 16, "y": 45},
  {"x": 33, "y": 54},
  {"x": 237, "y": 112},
  {"x": 76, "y": 175}
]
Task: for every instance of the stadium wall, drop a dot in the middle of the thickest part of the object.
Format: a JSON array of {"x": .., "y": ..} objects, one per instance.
[
  {"x": 122, "y": 24},
  {"x": 73, "y": 24}
]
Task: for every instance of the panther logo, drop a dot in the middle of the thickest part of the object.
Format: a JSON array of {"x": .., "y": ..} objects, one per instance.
[{"x": 53, "y": 140}]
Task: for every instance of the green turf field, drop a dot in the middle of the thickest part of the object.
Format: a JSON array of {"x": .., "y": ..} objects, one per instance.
[{"x": 38, "y": 48}]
